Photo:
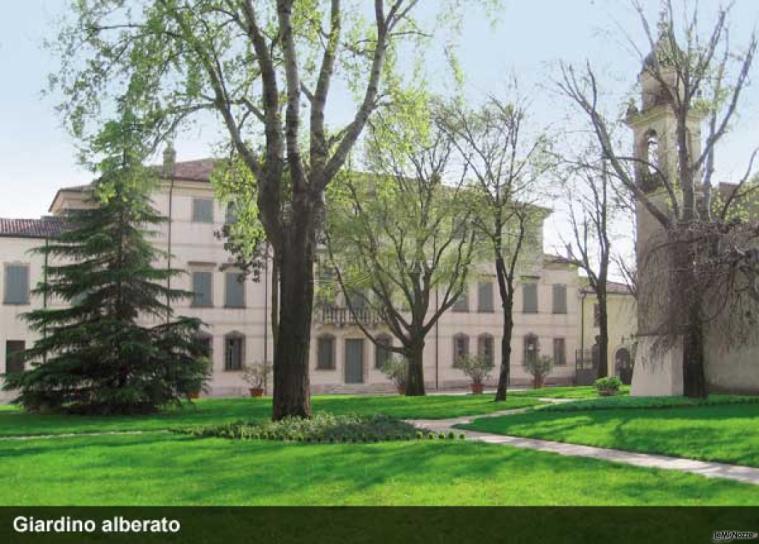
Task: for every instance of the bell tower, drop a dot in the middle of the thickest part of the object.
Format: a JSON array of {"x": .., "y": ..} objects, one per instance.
[{"x": 658, "y": 362}]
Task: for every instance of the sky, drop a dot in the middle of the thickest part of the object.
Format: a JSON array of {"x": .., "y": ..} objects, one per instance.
[{"x": 37, "y": 155}]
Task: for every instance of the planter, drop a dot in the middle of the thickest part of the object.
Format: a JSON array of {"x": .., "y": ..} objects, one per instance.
[
  {"x": 193, "y": 395},
  {"x": 256, "y": 391},
  {"x": 606, "y": 392},
  {"x": 477, "y": 388},
  {"x": 401, "y": 389},
  {"x": 537, "y": 383}
]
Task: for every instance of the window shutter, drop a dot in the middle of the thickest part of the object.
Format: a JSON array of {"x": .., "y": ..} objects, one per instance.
[
  {"x": 202, "y": 289},
  {"x": 462, "y": 303},
  {"x": 485, "y": 296},
  {"x": 559, "y": 299},
  {"x": 202, "y": 210},
  {"x": 382, "y": 355},
  {"x": 17, "y": 284},
  {"x": 530, "y": 298},
  {"x": 325, "y": 359},
  {"x": 235, "y": 290}
]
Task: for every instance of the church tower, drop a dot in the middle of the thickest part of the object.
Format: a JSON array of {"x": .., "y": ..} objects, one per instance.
[{"x": 658, "y": 364}]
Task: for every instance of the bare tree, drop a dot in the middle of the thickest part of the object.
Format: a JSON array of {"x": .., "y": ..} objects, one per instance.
[
  {"x": 506, "y": 165},
  {"x": 693, "y": 76}
]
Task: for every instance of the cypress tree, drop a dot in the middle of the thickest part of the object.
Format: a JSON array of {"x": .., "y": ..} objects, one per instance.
[{"x": 114, "y": 346}]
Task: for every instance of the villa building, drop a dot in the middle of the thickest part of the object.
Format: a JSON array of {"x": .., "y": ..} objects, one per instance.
[{"x": 548, "y": 308}]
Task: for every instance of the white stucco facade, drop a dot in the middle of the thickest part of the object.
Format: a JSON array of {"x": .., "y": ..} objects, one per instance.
[{"x": 195, "y": 247}]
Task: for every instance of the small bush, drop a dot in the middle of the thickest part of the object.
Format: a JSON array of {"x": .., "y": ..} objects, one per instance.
[
  {"x": 478, "y": 369},
  {"x": 539, "y": 368},
  {"x": 608, "y": 386},
  {"x": 320, "y": 428}
]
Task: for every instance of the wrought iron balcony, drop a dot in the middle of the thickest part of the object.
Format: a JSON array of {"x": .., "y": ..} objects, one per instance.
[{"x": 343, "y": 317}]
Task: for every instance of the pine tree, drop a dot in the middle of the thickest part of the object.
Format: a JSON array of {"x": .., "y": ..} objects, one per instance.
[{"x": 115, "y": 347}]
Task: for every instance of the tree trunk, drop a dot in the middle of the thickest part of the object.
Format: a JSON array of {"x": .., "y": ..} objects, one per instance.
[
  {"x": 508, "y": 328},
  {"x": 415, "y": 379},
  {"x": 603, "y": 339},
  {"x": 296, "y": 275},
  {"x": 694, "y": 378}
]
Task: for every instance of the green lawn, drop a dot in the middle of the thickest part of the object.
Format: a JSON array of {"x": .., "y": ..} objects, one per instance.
[
  {"x": 625, "y": 402},
  {"x": 15, "y": 422},
  {"x": 565, "y": 392},
  {"x": 170, "y": 469},
  {"x": 727, "y": 432}
]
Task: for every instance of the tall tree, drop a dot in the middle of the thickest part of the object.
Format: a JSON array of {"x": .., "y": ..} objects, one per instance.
[
  {"x": 100, "y": 353},
  {"x": 266, "y": 69},
  {"x": 506, "y": 162},
  {"x": 400, "y": 235},
  {"x": 695, "y": 75},
  {"x": 590, "y": 196}
]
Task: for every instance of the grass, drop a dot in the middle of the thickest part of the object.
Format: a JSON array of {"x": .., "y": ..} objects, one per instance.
[
  {"x": 16, "y": 422},
  {"x": 575, "y": 392},
  {"x": 725, "y": 433},
  {"x": 169, "y": 469},
  {"x": 625, "y": 402}
]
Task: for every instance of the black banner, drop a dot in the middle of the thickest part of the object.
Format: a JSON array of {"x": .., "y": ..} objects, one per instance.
[{"x": 385, "y": 525}]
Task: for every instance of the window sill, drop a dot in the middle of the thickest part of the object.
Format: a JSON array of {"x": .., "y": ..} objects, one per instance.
[
  {"x": 235, "y": 307},
  {"x": 325, "y": 369},
  {"x": 201, "y": 305},
  {"x": 485, "y": 311},
  {"x": 17, "y": 303}
]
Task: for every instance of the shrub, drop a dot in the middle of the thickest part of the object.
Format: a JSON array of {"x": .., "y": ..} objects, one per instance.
[
  {"x": 539, "y": 368},
  {"x": 476, "y": 368},
  {"x": 608, "y": 386},
  {"x": 396, "y": 369},
  {"x": 322, "y": 427}
]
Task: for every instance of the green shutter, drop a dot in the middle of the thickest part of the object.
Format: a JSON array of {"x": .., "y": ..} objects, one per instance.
[
  {"x": 16, "y": 284},
  {"x": 530, "y": 298},
  {"x": 235, "y": 290},
  {"x": 559, "y": 299},
  {"x": 202, "y": 284},
  {"x": 485, "y": 296}
]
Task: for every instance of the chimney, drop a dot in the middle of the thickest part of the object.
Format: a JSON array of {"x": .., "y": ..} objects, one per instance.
[{"x": 169, "y": 161}]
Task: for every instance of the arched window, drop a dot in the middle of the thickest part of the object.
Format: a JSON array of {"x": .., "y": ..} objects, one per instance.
[
  {"x": 531, "y": 348},
  {"x": 485, "y": 347},
  {"x": 325, "y": 352},
  {"x": 381, "y": 353},
  {"x": 460, "y": 346},
  {"x": 651, "y": 152},
  {"x": 234, "y": 351},
  {"x": 205, "y": 340}
]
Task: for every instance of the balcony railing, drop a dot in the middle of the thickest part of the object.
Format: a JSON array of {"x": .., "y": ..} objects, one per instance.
[{"x": 343, "y": 317}]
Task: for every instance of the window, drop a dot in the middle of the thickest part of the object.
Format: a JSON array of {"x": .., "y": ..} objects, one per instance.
[
  {"x": 485, "y": 296},
  {"x": 358, "y": 299},
  {"x": 530, "y": 298},
  {"x": 202, "y": 210},
  {"x": 559, "y": 299},
  {"x": 531, "y": 348},
  {"x": 235, "y": 290},
  {"x": 485, "y": 347},
  {"x": 234, "y": 351},
  {"x": 13, "y": 360},
  {"x": 202, "y": 289},
  {"x": 381, "y": 353},
  {"x": 651, "y": 151},
  {"x": 460, "y": 346},
  {"x": 462, "y": 303},
  {"x": 325, "y": 352},
  {"x": 596, "y": 315},
  {"x": 559, "y": 352},
  {"x": 230, "y": 216},
  {"x": 16, "y": 284}
]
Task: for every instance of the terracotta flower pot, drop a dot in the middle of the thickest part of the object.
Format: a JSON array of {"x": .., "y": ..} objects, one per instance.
[
  {"x": 401, "y": 389},
  {"x": 256, "y": 391},
  {"x": 193, "y": 395},
  {"x": 607, "y": 392},
  {"x": 537, "y": 382},
  {"x": 477, "y": 388}
]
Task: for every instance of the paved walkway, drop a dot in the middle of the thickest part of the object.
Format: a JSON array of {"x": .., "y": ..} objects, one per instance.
[{"x": 707, "y": 469}]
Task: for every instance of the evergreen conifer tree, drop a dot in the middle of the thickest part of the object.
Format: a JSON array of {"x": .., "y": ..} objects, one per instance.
[{"x": 114, "y": 346}]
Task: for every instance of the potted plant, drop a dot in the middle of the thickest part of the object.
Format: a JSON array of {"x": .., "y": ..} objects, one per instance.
[
  {"x": 256, "y": 375},
  {"x": 478, "y": 370},
  {"x": 396, "y": 369},
  {"x": 608, "y": 387},
  {"x": 539, "y": 368}
]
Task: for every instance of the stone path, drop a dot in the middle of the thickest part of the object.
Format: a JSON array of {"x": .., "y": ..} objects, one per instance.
[{"x": 707, "y": 469}]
